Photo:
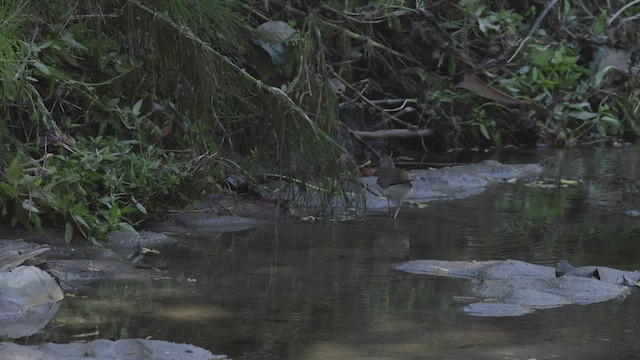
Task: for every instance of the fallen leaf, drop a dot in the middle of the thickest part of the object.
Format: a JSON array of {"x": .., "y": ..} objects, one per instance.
[{"x": 474, "y": 84}]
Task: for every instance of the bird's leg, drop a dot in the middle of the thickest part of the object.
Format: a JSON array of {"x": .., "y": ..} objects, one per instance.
[
  {"x": 389, "y": 205},
  {"x": 397, "y": 210}
]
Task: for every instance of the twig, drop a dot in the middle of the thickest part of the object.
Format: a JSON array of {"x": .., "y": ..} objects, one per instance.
[
  {"x": 187, "y": 33},
  {"x": 406, "y": 110},
  {"x": 23, "y": 66},
  {"x": 366, "y": 39},
  {"x": 403, "y": 102},
  {"x": 622, "y": 9},
  {"x": 376, "y": 20},
  {"x": 542, "y": 15},
  {"x": 363, "y": 142},
  {"x": 371, "y": 102}
]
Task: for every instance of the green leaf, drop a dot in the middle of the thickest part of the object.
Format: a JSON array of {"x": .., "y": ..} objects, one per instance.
[
  {"x": 452, "y": 65},
  {"x": 8, "y": 190},
  {"x": 46, "y": 197},
  {"x": 113, "y": 215},
  {"x": 610, "y": 120},
  {"x": 14, "y": 171},
  {"x": 93, "y": 240},
  {"x": 485, "y": 133},
  {"x": 68, "y": 232},
  {"x": 128, "y": 210},
  {"x": 80, "y": 220},
  {"x": 123, "y": 226},
  {"x": 583, "y": 115},
  {"x": 29, "y": 206},
  {"x": 113, "y": 102},
  {"x": 42, "y": 67},
  {"x": 36, "y": 48},
  {"x": 139, "y": 206},
  {"x": 136, "y": 108},
  {"x": 68, "y": 39}
]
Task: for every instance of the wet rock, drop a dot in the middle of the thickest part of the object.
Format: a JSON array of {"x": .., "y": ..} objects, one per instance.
[
  {"x": 632, "y": 213},
  {"x": 205, "y": 222},
  {"x": 627, "y": 282},
  {"x": 455, "y": 182},
  {"x": 496, "y": 309},
  {"x": 75, "y": 273},
  {"x": 26, "y": 306},
  {"x": 29, "y": 286},
  {"x": 26, "y": 322},
  {"x": 124, "y": 349},
  {"x": 28, "y": 300},
  {"x": 512, "y": 287},
  {"x": 146, "y": 239},
  {"x": 11, "y": 258},
  {"x": 496, "y": 171},
  {"x": 10, "y": 311},
  {"x": 564, "y": 268}
]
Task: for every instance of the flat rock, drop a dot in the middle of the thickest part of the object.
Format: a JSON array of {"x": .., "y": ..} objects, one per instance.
[
  {"x": 29, "y": 298},
  {"x": 456, "y": 182},
  {"x": 124, "y": 349},
  {"x": 129, "y": 240},
  {"x": 512, "y": 287},
  {"x": 29, "y": 286},
  {"x": 209, "y": 222}
]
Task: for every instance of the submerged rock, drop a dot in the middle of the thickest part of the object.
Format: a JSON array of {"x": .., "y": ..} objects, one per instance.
[
  {"x": 512, "y": 287},
  {"x": 139, "y": 349},
  {"x": 632, "y": 213}
]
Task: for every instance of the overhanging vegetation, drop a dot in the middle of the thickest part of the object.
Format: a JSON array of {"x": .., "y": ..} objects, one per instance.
[{"x": 115, "y": 111}]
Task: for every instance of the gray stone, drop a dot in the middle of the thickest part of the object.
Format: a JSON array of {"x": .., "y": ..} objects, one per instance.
[
  {"x": 512, "y": 287},
  {"x": 124, "y": 349},
  {"x": 209, "y": 222},
  {"x": 456, "y": 182}
]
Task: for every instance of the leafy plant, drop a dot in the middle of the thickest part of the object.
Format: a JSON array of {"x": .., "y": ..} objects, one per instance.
[
  {"x": 553, "y": 76},
  {"x": 105, "y": 185},
  {"x": 490, "y": 22}
]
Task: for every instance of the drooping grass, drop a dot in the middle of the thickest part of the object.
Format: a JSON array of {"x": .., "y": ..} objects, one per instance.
[{"x": 168, "y": 76}]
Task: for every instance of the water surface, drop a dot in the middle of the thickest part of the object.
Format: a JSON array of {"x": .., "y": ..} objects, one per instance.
[{"x": 325, "y": 290}]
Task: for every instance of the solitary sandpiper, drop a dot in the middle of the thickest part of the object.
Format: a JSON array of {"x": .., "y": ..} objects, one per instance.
[{"x": 393, "y": 182}]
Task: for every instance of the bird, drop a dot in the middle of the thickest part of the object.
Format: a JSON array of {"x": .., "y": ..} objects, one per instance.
[{"x": 393, "y": 182}]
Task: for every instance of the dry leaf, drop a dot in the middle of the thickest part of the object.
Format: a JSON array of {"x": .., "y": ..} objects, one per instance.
[{"x": 474, "y": 84}]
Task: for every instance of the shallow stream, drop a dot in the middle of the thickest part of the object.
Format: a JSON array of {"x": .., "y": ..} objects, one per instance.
[{"x": 325, "y": 290}]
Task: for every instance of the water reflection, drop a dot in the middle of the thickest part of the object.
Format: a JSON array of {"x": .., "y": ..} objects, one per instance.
[{"x": 324, "y": 290}]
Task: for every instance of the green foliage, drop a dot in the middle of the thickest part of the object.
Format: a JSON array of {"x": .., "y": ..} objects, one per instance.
[
  {"x": 105, "y": 185},
  {"x": 16, "y": 194},
  {"x": 553, "y": 76},
  {"x": 170, "y": 76},
  {"x": 490, "y": 22},
  {"x": 547, "y": 71},
  {"x": 598, "y": 27},
  {"x": 485, "y": 125},
  {"x": 549, "y": 68},
  {"x": 181, "y": 81}
]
